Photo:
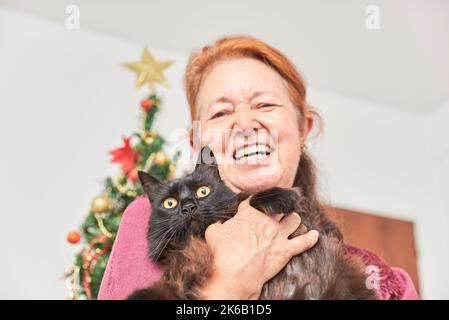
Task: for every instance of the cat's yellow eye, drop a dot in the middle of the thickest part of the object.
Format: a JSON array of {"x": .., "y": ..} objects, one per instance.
[
  {"x": 170, "y": 203},
  {"x": 202, "y": 191}
]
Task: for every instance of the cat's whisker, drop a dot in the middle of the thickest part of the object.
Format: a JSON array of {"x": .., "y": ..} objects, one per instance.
[
  {"x": 163, "y": 248},
  {"x": 161, "y": 230},
  {"x": 217, "y": 207},
  {"x": 162, "y": 238},
  {"x": 174, "y": 228}
]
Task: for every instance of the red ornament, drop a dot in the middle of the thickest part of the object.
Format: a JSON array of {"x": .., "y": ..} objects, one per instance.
[
  {"x": 73, "y": 237},
  {"x": 125, "y": 155},
  {"x": 146, "y": 104},
  {"x": 132, "y": 175}
]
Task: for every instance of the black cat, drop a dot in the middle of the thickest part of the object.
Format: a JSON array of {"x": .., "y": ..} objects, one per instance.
[{"x": 182, "y": 210}]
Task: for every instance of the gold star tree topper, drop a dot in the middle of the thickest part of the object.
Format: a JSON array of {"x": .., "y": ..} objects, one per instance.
[{"x": 149, "y": 71}]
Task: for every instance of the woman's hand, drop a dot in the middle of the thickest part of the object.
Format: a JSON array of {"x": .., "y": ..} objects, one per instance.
[{"x": 249, "y": 249}]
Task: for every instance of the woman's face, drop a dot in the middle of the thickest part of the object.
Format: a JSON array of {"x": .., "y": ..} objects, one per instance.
[{"x": 247, "y": 119}]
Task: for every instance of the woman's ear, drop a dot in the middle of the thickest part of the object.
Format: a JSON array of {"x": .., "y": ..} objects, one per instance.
[
  {"x": 306, "y": 127},
  {"x": 151, "y": 185}
]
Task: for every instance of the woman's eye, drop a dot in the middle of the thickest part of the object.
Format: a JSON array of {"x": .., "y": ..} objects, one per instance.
[
  {"x": 202, "y": 191},
  {"x": 170, "y": 203},
  {"x": 265, "y": 105},
  {"x": 219, "y": 114}
]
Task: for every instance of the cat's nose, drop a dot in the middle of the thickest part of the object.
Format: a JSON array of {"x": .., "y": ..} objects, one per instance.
[{"x": 188, "y": 208}]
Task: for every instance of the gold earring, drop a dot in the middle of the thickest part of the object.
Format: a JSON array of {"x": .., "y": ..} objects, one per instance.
[{"x": 303, "y": 148}]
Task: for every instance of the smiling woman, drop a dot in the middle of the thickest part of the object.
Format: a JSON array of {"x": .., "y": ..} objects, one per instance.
[{"x": 250, "y": 105}]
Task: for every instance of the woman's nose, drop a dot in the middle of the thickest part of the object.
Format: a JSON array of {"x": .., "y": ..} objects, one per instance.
[{"x": 244, "y": 119}]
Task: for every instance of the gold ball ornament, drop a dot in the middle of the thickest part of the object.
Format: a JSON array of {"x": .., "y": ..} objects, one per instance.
[
  {"x": 148, "y": 137},
  {"x": 100, "y": 204},
  {"x": 160, "y": 158}
]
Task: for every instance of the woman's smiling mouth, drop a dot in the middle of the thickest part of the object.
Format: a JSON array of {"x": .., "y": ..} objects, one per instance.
[{"x": 252, "y": 153}]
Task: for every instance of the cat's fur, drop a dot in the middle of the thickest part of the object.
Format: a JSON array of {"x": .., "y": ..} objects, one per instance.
[{"x": 177, "y": 241}]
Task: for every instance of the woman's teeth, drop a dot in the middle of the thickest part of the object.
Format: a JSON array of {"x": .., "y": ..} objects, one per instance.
[{"x": 252, "y": 151}]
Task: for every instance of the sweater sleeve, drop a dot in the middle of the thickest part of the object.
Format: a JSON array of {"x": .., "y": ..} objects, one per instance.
[
  {"x": 129, "y": 267},
  {"x": 390, "y": 283},
  {"x": 409, "y": 292}
]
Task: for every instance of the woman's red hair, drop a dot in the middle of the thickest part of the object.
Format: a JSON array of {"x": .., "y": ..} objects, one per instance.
[{"x": 231, "y": 47}]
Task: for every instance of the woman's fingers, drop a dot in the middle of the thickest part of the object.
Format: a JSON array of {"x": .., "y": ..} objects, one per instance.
[
  {"x": 252, "y": 247},
  {"x": 302, "y": 243},
  {"x": 289, "y": 224}
]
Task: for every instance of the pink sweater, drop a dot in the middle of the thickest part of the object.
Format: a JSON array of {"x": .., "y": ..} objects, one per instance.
[{"x": 129, "y": 268}]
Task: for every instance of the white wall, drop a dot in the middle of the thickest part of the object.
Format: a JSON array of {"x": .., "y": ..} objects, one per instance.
[
  {"x": 435, "y": 220},
  {"x": 65, "y": 102}
]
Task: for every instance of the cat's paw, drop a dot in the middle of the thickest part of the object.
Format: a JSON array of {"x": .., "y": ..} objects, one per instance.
[{"x": 277, "y": 200}]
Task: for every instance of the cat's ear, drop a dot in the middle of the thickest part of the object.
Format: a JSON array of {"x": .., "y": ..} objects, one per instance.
[
  {"x": 206, "y": 157},
  {"x": 150, "y": 184},
  {"x": 206, "y": 160}
]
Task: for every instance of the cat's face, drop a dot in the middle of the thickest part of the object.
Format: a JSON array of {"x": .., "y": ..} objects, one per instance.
[{"x": 185, "y": 206}]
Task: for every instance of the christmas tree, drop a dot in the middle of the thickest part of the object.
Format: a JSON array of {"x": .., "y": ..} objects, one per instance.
[{"x": 141, "y": 151}]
